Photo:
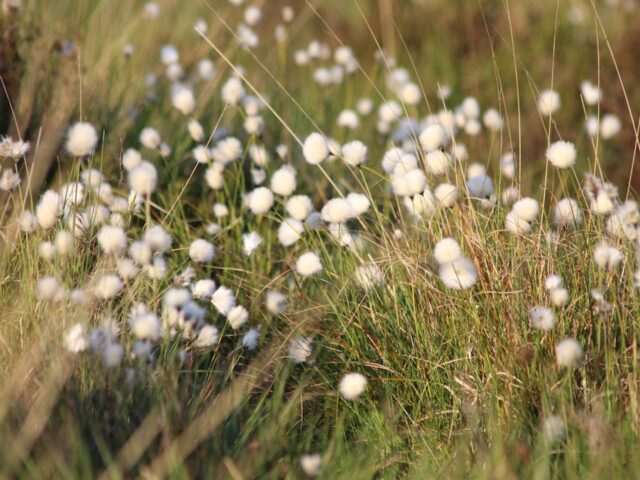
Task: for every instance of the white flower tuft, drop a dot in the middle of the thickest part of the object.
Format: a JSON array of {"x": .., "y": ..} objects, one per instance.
[
  {"x": 81, "y": 139},
  {"x": 352, "y": 385}
]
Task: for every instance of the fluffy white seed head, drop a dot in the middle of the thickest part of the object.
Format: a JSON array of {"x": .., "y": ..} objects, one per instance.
[
  {"x": 223, "y": 300},
  {"x": 542, "y": 318},
  {"x": 201, "y": 251},
  {"x": 315, "y": 149},
  {"x": 82, "y": 139},
  {"x": 354, "y": 153},
  {"x": 352, "y": 385},
  {"x": 567, "y": 213},
  {"x": 150, "y": 138},
  {"x": 311, "y": 463},
  {"x": 433, "y": 137},
  {"x": 446, "y": 194},
  {"x": 251, "y": 241},
  {"x": 112, "y": 240},
  {"x": 182, "y": 99},
  {"x": 548, "y": 102},
  {"x": 283, "y": 181},
  {"x": 568, "y": 353},
  {"x": 299, "y": 207},
  {"x": 107, "y": 287},
  {"x": 260, "y": 200},
  {"x": 337, "y": 210},
  {"x": 232, "y": 91},
  {"x": 562, "y": 154},
  {"x": 308, "y": 264},
  {"x": 526, "y": 209},
  {"x": 237, "y": 317},
  {"x": 143, "y": 179},
  {"x": 276, "y": 302},
  {"x": 447, "y": 250},
  {"x": 459, "y": 274},
  {"x": 290, "y": 231},
  {"x": 49, "y": 209}
]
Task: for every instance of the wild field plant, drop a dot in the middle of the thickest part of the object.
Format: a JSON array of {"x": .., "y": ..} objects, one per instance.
[{"x": 241, "y": 240}]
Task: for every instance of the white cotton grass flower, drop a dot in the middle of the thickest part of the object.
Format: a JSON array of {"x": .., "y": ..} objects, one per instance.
[
  {"x": 568, "y": 353},
  {"x": 590, "y": 92},
  {"x": 554, "y": 429},
  {"x": 112, "y": 355},
  {"x": 64, "y": 243},
  {"x": 201, "y": 154},
  {"x": 48, "y": 288},
  {"x": 201, "y": 251},
  {"x": 476, "y": 169},
  {"x": 112, "y": 240},
  {"x": 438, "y": 162},
  {"x": 208, "y": 337},
  {"x": 311, "y": 463},
  {"x": 145, "y": 326},
  {"x": 237, "y": 317},
  {"x": 206, "y": 69},
  {"x": 410, "y": 94},
  {"x": 158, "y": 239},
  {"x": 223, "y": 299},
  {"x": 559, "y": 297},
  {"x": 610, "y": 126},
  {"x": 283, "y": 181},
  {"x": 433, "y": 137},
  {"x": 526, "y": 209},
  {"x": 542, "y": 318},
  {"x": 75, "y": 340},
  {"x": 354, "y": 153},
  {"x": 259, "y": 155},
  {"x": 213, "y": 176},
  {"x": 150, "y": 138},
  {"x": 446, "y": 251},
  {"x": 47, "y": 251},
  {"x": 567, "y": 214},
  {"x": 49, "y": 209},
  {"x": 232, "y": 91},
  {"x": 27, "y": 222},
  {"x": 508, "y": 165},
  {"x": 183, "y": 100},
  {"x": 300, "y": 349},
  {"x": 127, "y": 269},
  {"x": 276, "y": 302},
  {"x": 493, "y": 120},
  {"x": 195, "y": 130},
  {"x": 82, "y": 139},
  {"x": 220, "y": 210},
  {"x": 607, "y": 257},
  {"x": 131, "y": 159},
  {"x": 337, "y": 210},
  {"x": 369, "y": 276},
  {"x": 203, "y": 289},
  {"x": 250, "y": 339},
  {"x": 290, "y": 231},
  {"x": 260, "y": 200},
  {"x": 359, "y": 204},
  {"x": 409, "y": 184},
  {"x": 562, "y": 154},
  {"x": 548, "y": 102},
  {"x": 299, "y": 207},
  {"x": 459, "y": 274},
  {"x": 348, "y": 119},
  {"x": 446, "y": 194},
  {"x": 315, "y": 148},
  {"x": 480, "y": 187},
  {"x": 308, "y": 264},
  {"x": 352, "y": 385},
  {"x": 143, "y": 179},
  {"x": 169, "y": 54},
  {"x": 516, "y": 225},
  {"x": 250, "y": 242},
  {"x": 107, "y": 287}
]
